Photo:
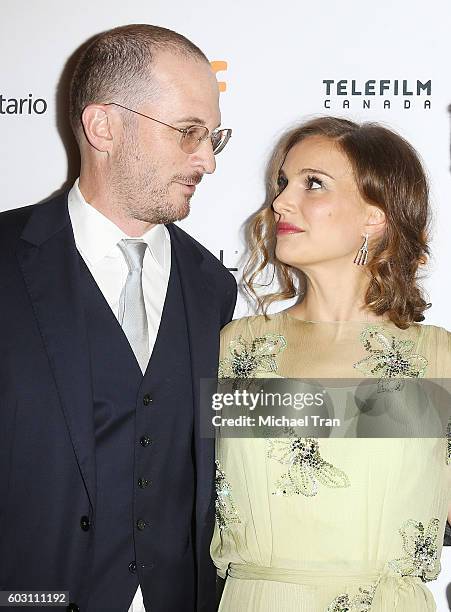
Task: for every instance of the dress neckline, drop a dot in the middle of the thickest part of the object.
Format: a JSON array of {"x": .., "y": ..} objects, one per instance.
[{"x": 368, "y": 323}]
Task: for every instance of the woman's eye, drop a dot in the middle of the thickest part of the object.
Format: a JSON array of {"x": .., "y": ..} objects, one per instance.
[
  {"x": 281, "y": 183},
  {"x": 313, "y": 183}
]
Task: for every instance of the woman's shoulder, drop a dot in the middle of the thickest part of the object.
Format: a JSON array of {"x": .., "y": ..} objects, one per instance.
[
  {"x": 430, "y": 335},
  {"x": 249, "y": 346},
  {"x": 254, "y": 333},
  {"x": 251, "y": 327},
  {"x": 435, "y": 343},
  {"x": 242, "y": 322},
  {"x": 439, "y": 336}
]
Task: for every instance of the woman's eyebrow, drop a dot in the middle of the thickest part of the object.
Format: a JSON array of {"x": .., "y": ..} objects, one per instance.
[{"x": 317, "y": 170}]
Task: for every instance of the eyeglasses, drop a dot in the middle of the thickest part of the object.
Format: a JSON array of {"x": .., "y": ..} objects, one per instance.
[{"x": 193, "y": 135}]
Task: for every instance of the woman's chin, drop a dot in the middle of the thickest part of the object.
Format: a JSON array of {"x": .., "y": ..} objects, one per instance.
[{"x": 287, "y": 257}]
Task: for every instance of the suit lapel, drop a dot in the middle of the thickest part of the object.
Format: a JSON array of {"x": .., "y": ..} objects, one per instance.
[
  {"x": 51, "y": 269},
  {"x": 203, "y": 321}
]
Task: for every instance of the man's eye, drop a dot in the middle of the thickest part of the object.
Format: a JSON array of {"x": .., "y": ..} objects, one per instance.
[{"x": 313, "y": 183}]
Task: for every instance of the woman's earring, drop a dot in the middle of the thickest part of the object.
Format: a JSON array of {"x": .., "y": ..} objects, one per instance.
[{"x": 362, "y": 254}]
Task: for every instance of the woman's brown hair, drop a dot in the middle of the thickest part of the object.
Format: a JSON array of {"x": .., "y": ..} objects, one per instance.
[{"x": 388, "y": 174}]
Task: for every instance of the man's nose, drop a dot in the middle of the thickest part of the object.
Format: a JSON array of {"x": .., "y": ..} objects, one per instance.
[{"x": 204, "y": 159}]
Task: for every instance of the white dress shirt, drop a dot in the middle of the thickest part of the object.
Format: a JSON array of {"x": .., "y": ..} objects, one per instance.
[{"x": 96, "y": 239}]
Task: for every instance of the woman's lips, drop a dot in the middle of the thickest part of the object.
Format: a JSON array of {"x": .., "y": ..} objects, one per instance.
[{"x": 288, "y": 228}]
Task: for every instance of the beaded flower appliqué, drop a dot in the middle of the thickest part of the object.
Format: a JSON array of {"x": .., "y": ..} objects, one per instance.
[
  {"x": 248, "y": 359},
  {"x": 359, "y": 603},
  {"x": 306, "y": 467},
  {"x": 225, "y": 510},
  {"x": 389, "y": 357},
  {"x": 448, "y": 443},
  {"x": 420, "y": 545}
]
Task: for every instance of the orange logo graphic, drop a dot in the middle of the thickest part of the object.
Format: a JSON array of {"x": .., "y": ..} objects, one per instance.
[{"x": 220, "y": 66}]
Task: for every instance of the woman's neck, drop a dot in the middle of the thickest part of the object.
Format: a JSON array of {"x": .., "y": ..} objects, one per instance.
[{"x": 335, "y": 297}]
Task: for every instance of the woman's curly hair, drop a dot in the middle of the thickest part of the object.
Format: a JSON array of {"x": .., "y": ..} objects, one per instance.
[{"x": 388, "y": 174}]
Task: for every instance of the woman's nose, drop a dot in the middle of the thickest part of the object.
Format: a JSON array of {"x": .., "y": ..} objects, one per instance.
[{"x": 284, "y": 203}]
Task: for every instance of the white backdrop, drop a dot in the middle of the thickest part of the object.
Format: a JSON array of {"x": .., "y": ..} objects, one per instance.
[{"x": 277, "y": 54}]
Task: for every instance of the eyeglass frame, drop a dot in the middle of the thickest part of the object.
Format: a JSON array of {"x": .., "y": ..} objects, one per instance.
[{"x": 183, "y": 131}]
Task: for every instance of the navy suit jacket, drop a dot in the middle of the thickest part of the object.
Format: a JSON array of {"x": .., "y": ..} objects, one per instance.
[{"x": 47, "y": 444}]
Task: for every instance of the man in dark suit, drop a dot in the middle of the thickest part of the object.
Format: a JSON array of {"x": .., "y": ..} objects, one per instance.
[
  {"x": 110, "y": 317},
  {"x": 447, "y": 541}
]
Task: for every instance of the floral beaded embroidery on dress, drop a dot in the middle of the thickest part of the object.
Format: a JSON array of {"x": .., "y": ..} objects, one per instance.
[
  {"x": 251, "y": 359},
  {"x": 389, "y": 357},
  {"x": 420, "y": 545},
  {"x": 306, "y": 467},
  {"x": 448, "y": 445},
  {"x": 225, "y": 510},
  {"x": 359, "y": 603}
]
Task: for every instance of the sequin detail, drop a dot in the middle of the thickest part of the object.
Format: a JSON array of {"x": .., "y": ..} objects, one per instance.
[
  {"x": 306, "y": 467},
  {"x": 359, "y": 603},
  {"x": 389, "y": 357},
  {"x": 448, "y": 444},
  {"x": 225, "y": 510},
  {"x": 420, "y": 545},
  {"x": 248, "y": 359}
]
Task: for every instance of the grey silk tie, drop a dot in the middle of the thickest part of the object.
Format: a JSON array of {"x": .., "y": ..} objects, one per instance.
[{"x": 132, "y": 310}]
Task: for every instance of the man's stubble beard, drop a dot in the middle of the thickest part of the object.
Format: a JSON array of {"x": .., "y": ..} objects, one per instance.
[{"x": 139, "y": 193}]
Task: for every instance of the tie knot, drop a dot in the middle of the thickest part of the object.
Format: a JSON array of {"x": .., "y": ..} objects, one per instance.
[{"x": 133, "y": 251}]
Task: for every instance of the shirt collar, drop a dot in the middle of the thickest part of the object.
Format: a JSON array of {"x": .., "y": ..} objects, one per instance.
[{"x": 96, "y": 236}]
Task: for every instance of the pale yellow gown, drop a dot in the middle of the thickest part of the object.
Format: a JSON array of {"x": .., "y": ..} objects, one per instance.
[{"x": 330, "y": 524}]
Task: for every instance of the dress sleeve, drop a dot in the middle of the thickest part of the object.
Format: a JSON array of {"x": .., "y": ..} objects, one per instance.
[
  {"x": 228, "y": 333},
  {"x": 444, "y": 356}
]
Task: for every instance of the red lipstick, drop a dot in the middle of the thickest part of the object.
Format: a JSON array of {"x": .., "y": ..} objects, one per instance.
[{"x": 288, "y": 228}]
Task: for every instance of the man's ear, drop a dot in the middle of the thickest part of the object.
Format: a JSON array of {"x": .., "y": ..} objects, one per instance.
[
  {"x": 98, "y": 126},
  {"x": 375, "y": 221}
]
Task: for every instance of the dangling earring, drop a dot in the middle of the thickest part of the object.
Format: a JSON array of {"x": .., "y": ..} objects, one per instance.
[{"x": 362, "y": 254}]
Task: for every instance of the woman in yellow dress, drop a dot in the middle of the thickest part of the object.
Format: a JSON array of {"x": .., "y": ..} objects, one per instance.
[{"x": 310, "y": 524}]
